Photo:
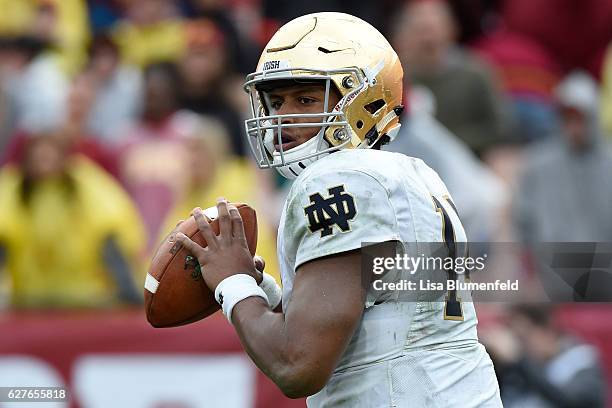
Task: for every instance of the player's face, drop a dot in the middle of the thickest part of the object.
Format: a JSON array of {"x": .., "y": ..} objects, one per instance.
[{"x": 302, "y": 99}]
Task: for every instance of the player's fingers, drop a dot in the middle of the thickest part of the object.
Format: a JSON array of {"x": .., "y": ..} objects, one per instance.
[
  {"x": 172, "y": 235},
  {"x": 192, "y": 247},
  {"x": 260, "y": 263},
  {"x": 205, "y": 229},
  {"x": 225, "y": 223},
  {"x": 237, "y": 225},
  {"x": 192, "y": 213}
]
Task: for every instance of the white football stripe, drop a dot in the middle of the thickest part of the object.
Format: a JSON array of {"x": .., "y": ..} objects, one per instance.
[
  {"x": 211, "y": 212},
  {"x": 151, "y": 283}
]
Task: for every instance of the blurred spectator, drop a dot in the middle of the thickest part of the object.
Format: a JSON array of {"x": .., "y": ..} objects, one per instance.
[
  {"x": 152, "y": 156},
  {"x": 478, "y": 194},
  {"x": 606, "y": 94},
  {"x": 475, "y": 17},
  {"x": 118, "y": 89},
  {"x": 64, "y": 23},
  {"x": 213, "y": 172},
  {"x": 529, "y": 75},
  {"x": 576, "y": 32},
  {"x": 61, "y": 23},
  {"x": 35, "y": 88},
  {"x": 204, "y": 79},
  {"x": 151, "y": 32},
  {"x": 466, "y": 98},
  {"x": 69, "y": 234},
  {"x": 73, "y": 129},
  {"x": 103, "y": 14},
  {"x": 8, "y": 57},
  {"x": 16, "y": 16},
  {"x": 565, "y": 192},
  {"x": 242, "y": 51},
  {"x": 539, "y": 366}
]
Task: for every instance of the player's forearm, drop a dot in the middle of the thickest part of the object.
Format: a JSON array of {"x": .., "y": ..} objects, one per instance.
[{"x": 276, "y": 349}]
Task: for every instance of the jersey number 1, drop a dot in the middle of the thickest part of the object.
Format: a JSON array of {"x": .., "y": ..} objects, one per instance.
[{"x": 452, "y": 306}]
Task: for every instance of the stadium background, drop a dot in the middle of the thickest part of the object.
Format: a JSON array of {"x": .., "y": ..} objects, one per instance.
[{"x": 119, "y": 116}]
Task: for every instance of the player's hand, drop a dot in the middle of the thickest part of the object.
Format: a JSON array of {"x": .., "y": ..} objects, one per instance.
[{"x": 226, "y": 254}]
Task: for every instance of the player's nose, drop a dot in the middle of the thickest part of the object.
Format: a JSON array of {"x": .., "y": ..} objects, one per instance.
[
  {"x": 287, "y": 109},
  {"x": 287, "y": 112}
]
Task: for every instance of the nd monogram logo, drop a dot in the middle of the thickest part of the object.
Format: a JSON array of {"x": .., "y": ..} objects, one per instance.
[{"x": 324, "y": 213}]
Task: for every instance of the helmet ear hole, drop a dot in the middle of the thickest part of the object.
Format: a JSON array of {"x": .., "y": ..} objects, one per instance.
[
  {"x": 359, "y": 124},
  {"x": 375, "y": 106}
]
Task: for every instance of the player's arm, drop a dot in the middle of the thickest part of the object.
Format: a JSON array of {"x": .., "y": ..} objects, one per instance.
[
  {"x": 260, "y": 266},
  {"x": 299, "y": 349}
]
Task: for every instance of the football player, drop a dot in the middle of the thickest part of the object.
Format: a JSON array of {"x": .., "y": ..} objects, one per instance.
[{"x": 326, "y": 95}]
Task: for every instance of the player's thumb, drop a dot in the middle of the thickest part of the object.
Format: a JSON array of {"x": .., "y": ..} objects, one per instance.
[{"x": 260, "y": 264}]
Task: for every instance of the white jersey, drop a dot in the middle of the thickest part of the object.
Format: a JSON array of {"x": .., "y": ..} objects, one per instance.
[{"x": 403, "y": 354}]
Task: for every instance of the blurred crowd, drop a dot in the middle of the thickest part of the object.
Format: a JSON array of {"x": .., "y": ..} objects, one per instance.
[
  {"x": 146, "y": 97},
  {"x": 541, "y": 365},
  {"x": 117, "y": 117}
]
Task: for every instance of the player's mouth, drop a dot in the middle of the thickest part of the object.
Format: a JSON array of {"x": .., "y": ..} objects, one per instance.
[{"x": 287, "y": 142}]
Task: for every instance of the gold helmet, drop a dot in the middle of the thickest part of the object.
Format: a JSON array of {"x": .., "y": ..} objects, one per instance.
[{"x": 341, "y": 51}]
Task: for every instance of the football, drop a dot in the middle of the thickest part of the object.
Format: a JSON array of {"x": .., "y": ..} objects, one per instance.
[{"x": 175, "y": 292}]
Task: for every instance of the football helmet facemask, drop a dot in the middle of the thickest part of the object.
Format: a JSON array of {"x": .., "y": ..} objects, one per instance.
[{"x": 345, "y": 54}]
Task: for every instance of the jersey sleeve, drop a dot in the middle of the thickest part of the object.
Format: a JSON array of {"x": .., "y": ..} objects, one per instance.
[{"x": 333, "y": 213}]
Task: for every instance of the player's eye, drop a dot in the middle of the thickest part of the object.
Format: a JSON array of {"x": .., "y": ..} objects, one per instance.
[
  {"x": 276, "y": 105},
  {"x": 305, "y": 100}
]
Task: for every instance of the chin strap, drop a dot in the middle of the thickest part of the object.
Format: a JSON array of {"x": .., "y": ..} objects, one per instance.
[
  {"x": 374, "y": 135},
  {"x": 293, "y": 170}
]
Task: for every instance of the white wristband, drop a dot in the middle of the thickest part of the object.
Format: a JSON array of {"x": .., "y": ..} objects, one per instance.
[
  {"x": 273, "y": 291},
  {"x": 235, "y": 288}
]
